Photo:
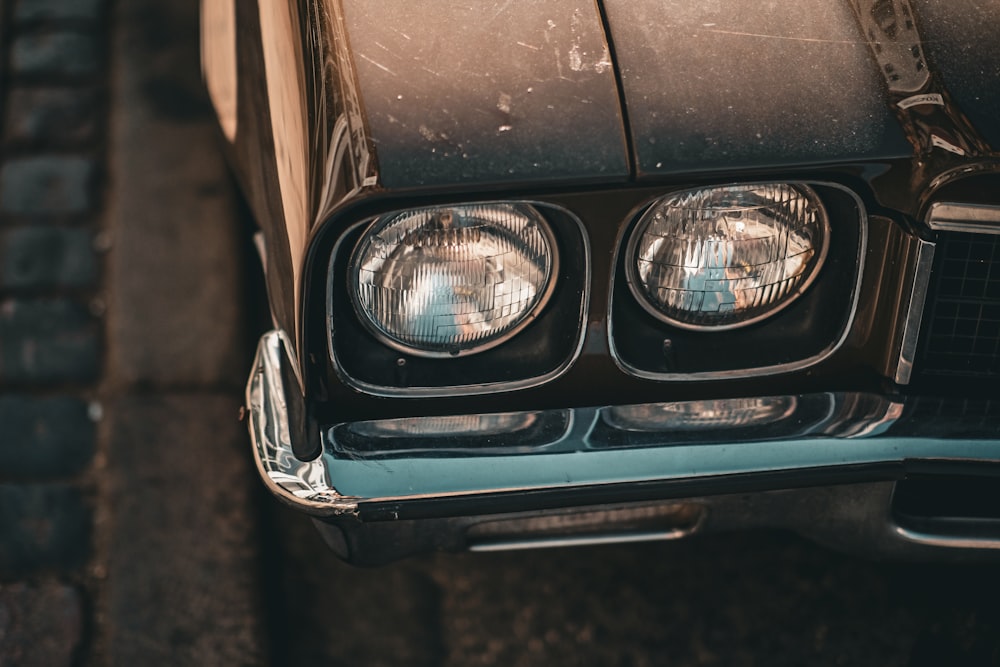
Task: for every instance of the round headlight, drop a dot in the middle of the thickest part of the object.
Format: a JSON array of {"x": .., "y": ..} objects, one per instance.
[
  {"x": 444, "y": 281},
  {"x": 725, "y": 257}
]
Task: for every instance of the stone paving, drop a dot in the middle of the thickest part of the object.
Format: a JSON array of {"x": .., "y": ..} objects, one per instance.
[
  {"x": 52, "y": 215},
  {"x": 127, "y": 508}
]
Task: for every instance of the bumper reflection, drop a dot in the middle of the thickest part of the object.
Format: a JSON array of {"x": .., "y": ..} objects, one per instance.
[
  {"x": 502, "y": 433},
  {"x": 700, "y": 415},
  {"x": 712, "y": 421}
]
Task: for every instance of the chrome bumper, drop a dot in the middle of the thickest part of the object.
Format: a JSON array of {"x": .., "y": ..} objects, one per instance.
[
  {"x": 305, "y": 485},
  {"x": 585, "y": 455}
]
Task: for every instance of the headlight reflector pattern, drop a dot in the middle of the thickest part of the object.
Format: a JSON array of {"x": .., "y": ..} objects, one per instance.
[
  {"x": 725, "y": 257},
  {"x": 443, "y": 281}
]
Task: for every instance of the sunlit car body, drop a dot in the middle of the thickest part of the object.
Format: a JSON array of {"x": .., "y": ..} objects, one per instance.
[{"x": 860, "y": 412}]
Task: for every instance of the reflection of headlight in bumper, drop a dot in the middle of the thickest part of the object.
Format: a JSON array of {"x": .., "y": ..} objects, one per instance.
[
  {"x": 461, "y": 425},
  {"x": 700, "y": 415},
  {"x": 483, "y": 434}
]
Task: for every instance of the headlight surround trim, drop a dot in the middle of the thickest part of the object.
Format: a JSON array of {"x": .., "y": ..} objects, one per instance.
[{"x": 543, "y": 352}]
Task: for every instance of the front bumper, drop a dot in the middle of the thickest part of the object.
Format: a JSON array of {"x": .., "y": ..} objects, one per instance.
[{"x": 823, "y": 464}]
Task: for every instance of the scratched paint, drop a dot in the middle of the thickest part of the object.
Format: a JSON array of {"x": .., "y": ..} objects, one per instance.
[
  {"x": 489, "y": 92},
  {"x": 743, "y": 83}
]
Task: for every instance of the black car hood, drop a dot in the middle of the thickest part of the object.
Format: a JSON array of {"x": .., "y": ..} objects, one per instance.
[
  {"x": 487, "y": 93},
  {"x": 522, "y": 92},
  {"x": 748, "y": 83},
  {"x": 745, "y": 83}
]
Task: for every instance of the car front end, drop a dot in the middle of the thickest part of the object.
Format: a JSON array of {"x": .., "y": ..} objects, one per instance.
[{"x": 574, "y": 273}]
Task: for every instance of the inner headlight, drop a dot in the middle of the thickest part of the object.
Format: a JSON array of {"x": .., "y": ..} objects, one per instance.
[
  {"x": 444, "y": 281},
  {"x": 725, "y": 257}
]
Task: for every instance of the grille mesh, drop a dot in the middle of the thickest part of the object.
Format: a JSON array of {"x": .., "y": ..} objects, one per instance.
[
  {"x": 930, "y": 417},
  {"x": 962, "y": 329}
]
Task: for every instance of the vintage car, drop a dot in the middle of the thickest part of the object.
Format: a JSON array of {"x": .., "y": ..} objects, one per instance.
[{"x": 577, "y": 271}]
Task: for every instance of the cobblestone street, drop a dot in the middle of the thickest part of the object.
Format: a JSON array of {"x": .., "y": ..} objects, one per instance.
[
  {"x": 133, "y": 529},
  {"x": 127, "y": 521},
  {"x": 52, "y": 247}
]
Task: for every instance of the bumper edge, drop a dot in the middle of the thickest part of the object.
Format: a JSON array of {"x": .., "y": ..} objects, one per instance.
[{"x": 305, "y": 485}]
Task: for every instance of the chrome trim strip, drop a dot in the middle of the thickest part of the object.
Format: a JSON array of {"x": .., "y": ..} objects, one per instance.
[
  {"x": 944, "y": 541},
  {"x": 969, "y": 218},
  {"x": 583, "y": 540},
  {"x": 303, "y": 484},
  {"x": 914, "y": 312},
  {"x": 789, "y": 367},
  {"x": 470, "y": 389}
]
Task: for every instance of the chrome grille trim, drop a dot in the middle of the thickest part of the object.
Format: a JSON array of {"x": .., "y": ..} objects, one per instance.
[
  {"x": 969, "y": 218},
  {"x": 915, "y": 312}
]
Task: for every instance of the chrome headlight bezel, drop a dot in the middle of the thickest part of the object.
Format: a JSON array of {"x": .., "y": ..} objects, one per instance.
[
  {"x": 543, "y": 350},
  {"x": 805, "y": 333}
]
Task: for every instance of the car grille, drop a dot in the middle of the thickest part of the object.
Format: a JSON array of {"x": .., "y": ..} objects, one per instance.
[
  {"x": 961, "y": 331},
  {"x": 931, "y": 417}
]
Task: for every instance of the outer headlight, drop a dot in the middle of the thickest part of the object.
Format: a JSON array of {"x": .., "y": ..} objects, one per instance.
[
  {"x": 443, "y": 281},
  {"x": 725, "y": 257}
]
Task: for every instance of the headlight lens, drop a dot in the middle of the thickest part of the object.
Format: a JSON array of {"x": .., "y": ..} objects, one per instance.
[
  {"x": 725, "y": 257},
  {"x": 444, "y": 281}
]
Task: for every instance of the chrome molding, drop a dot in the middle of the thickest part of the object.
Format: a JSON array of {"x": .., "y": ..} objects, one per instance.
[
  {"x": 757, "y": 371},
  {"x": 583, "y": 540},
  {"x": 943, "y": 541},
  {"x": 573, "y": 528},
  {"x": 914, "y": 312},
  {"x": 303, "y": 484},
  {"x": 969, "y": 218}
]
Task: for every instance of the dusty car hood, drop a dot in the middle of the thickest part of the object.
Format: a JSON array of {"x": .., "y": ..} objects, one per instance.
[
  {"x": 526, "y": 92},
  {"x": 487, "y": 92},
  {"x": 743, "y": 83},
  {"x": 960, "y": 37},
  {"x": 746, "y": 83}
]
